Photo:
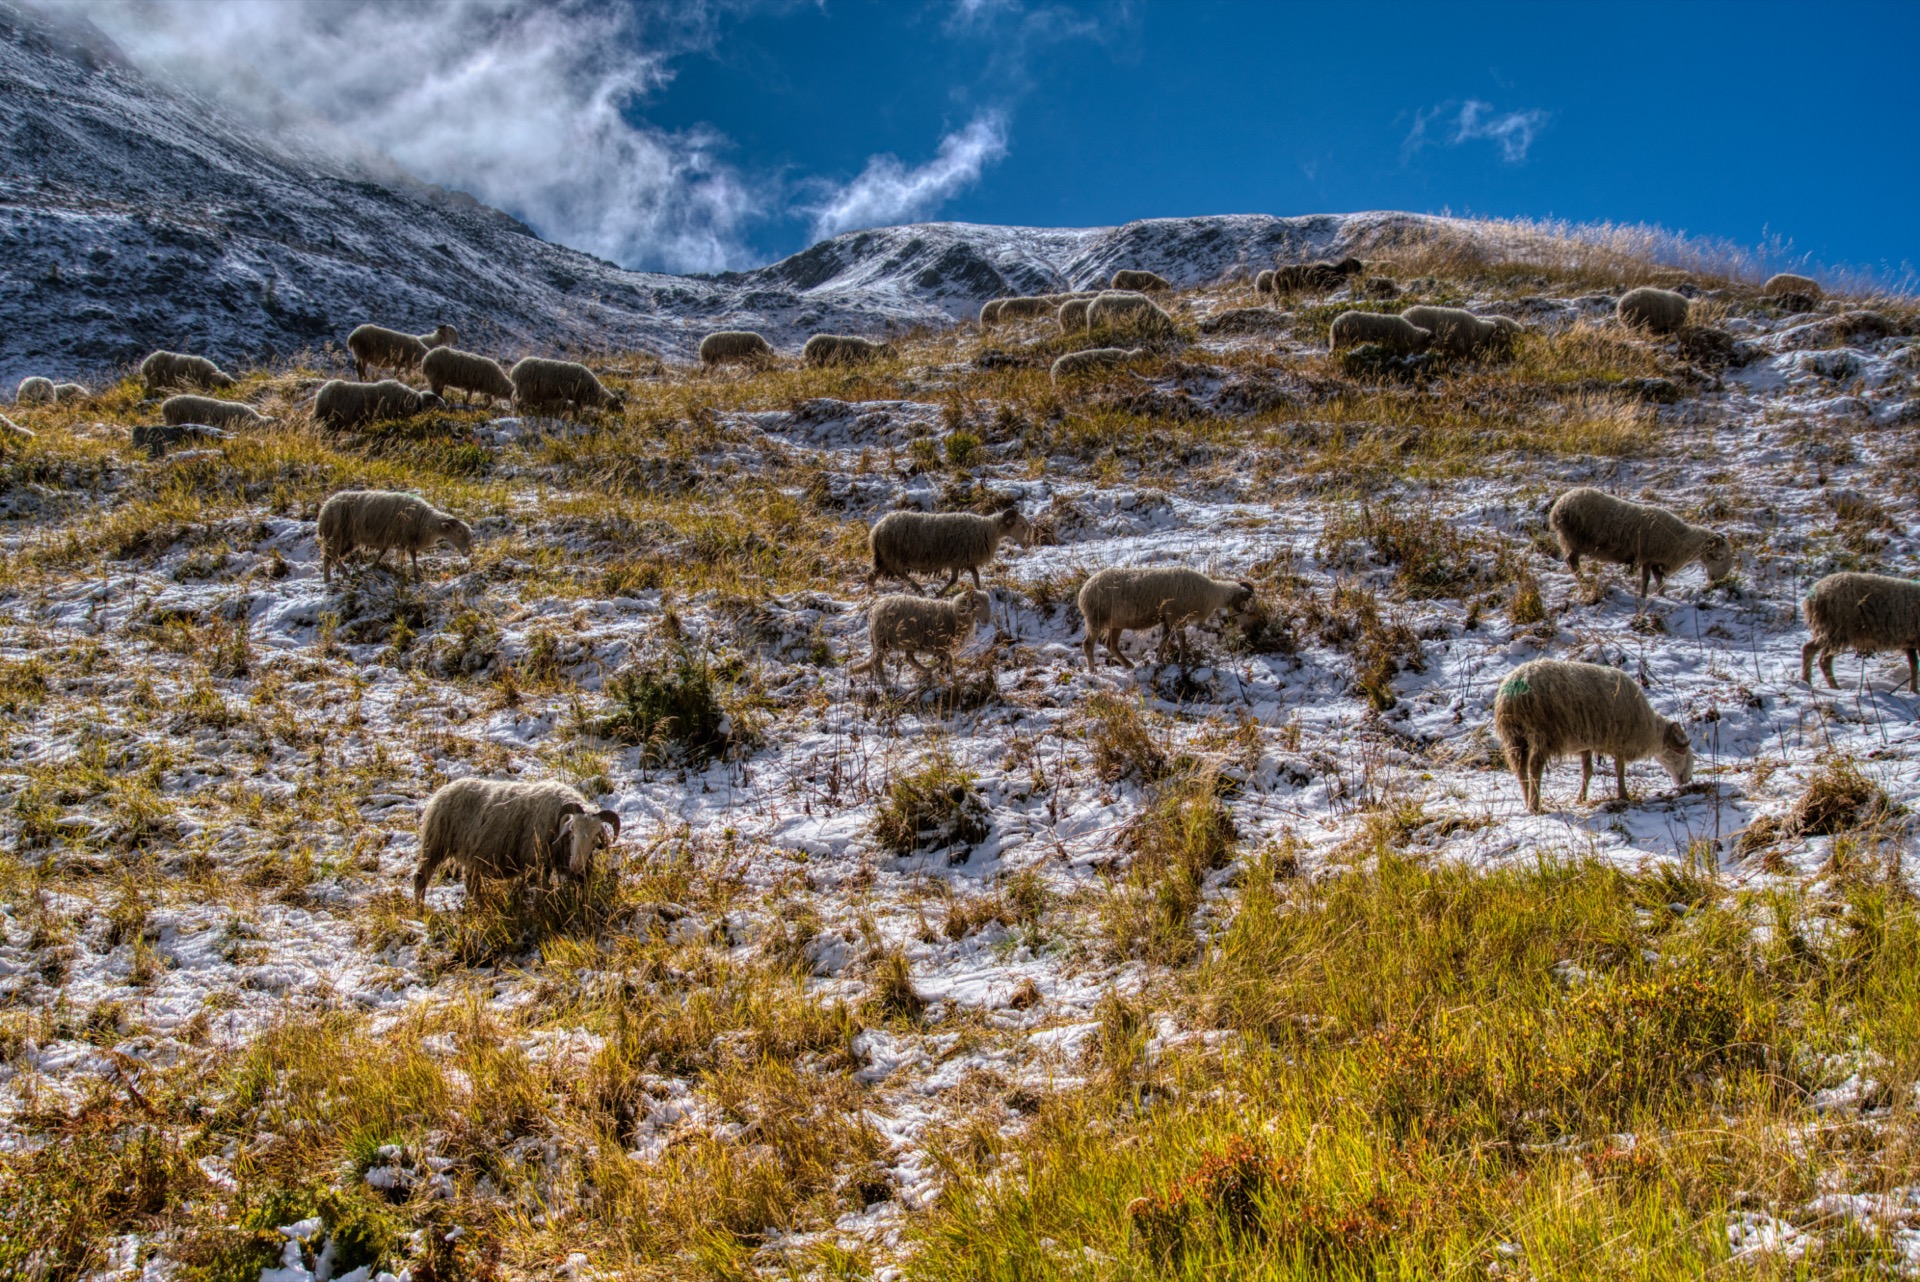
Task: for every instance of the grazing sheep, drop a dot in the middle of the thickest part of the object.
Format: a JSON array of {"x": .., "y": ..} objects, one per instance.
[
  {"x": 906, "y": 543},
  {"x": 503, "y": 829},
  {"x": 1263, "y": 283},
  {"x": 1131, "y": 312},
  {"x": 1795, "y": 293},
  {"x": 187, "y": 408},
  {"x": 34, "y": 390},
  {"x": 1138, "y": 280},
  {"x": 1590, "y": 523},
  {"x": 1397, "y": 334},
  {"x": 1551, "y": 708},
  {"x": 162, "y": 370},
  {"x": 375, "y": 347},
  {"x": 1074, "y": 364},
  {"x": 158, "y": 440},
  {"x": 915, "y": 625},
  {"x": 990, "y": 312},
  {"x": 379, "y": 520},
  {"x": 341, "y": 405},
  {"x": 1458, "y": 332},
  {"x": 1131, "y": 598},
  {"x": 64, "y": 392},
  {"x": 1012, "y": 309},
  {"x": 1315, "y": 278},
  {"x": 468, "y": 372},
  {"x": 1865, "y": 613},
  {"x": 547, "y": 386},
  {"x": 1073, "y": 315},
  {"x": 735, "y": 346},
  {"x": 1659, "y": 310},
  {"x": 843, "y": 349}
]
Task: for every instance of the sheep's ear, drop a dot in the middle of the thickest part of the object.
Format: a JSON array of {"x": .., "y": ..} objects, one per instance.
[{"x": 612, "y": 820}]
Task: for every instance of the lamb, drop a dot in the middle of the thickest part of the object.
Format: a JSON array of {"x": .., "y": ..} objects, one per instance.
[
  {"x": 64, "y": 392},
  {"x": 504, "y": 829},
  {"x": 1795, "y": 293},
  {"x": 162, "y": 370},
  {"x": 1134, "y": 313},
  {"x": 379, "y": 520},
  {"x": 1074, "y": 364},
  {"x": 1073, "y": 315},
  {"x": 186, "y": 408},
  {"x": 1458, "y": 332},
  {"x": 1552, "y": 708},
  {"x": 1659, "y": 310},
  {"x": 375, "y": 347},
  {"x": 542, "y": 385},
  {"x": 342, "y": 405},
  {"x": 913, "y": 625},
  {"x": 1867, "y": 613},
  {"x": 1317, "y": 278},
  {"x": 469, "y": 372},
  {"x": 1397, "y": 334},
  {"x": 1590, "y": 523},
  {"x": 1123, "y": 598},
  {"x": 735, "y": 346},
  {"x": 843, "y": 349},
  {"x": 34, "y": 390},
  {"x": 905, "y": 543},
  {"x": 1138, "y": 280}
]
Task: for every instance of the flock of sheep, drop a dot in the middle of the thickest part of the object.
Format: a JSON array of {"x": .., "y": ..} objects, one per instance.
[{"x": 1543, "y": 710}]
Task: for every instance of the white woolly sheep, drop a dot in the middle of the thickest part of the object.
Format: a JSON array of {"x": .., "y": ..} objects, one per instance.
[
  {"x": 157, "y": 440},
  {"x": 162, "y": 370},
  {"x": 1458, "y": 332},
  {"x": 65, "y": 392},
  {"x": 548, "y": 386},
  {"x": 1131, "y": 313},
  {"x": 1591, "y": 523},
  {"x": 1659, "y": 310},
  {"x": 341, "y": 405},
  {"x": 376, "y": 347},
  {"x": 1150, "y": 282},
  {"x": 1551, "y": 708},
  {"x": 1395, "y": 333},
  {"x": 1316, "y": 278},
  {"x": 736, "y": 346},
  {"x": 1263, "y": 283},
  {"x": 843, "y": 349},
  {"x": 447, "y": 368},
  {"x": 1073, "y": 315},
  {"x": 990, "y": 312},
  {"x": 34, "y": 390},
  {"x": 1865, "y": 613},
  {"x": 914, "y": 625},
  {"x": 1093, "y": 359},
  {"x": 1012, "y": 309},
  {"x": 907, "y": 543},
  {"x": 504, "y": 829},
  {"x": 188, "y": 408},
  {"x": 1134, "y": 597},
  {"x": 1798, "y": 293},
  {"x": 377, "y": 521}
]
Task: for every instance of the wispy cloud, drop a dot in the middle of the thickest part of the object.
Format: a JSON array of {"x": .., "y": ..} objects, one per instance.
[
  {"x": 888, "y": 192},
  {"x": 1455, "y": 122}
]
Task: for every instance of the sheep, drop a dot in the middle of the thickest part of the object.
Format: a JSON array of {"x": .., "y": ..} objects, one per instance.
[
  {"x": 1132, "y": 312},
  {"x": 1074, "y": 364},
  {"x": 64, "y": 392},
  {"x": 1123, "y": 598},
  {"x": 1317, "y": 278},
  {"x": 1073, "y": 315},
  {"x": 1795, "y": 293},
  {"x": 341, "y": 405},
  {"x": 905, "y": 543},
  {"x": 379, "y": 520},
  {"x": 742, "y": 346},
  {"x": 187, "y": 408},
  {"x": 1138, "y": 280},
  {"x": 12, "y": 431},
  {"x": 1397, "y": 334},
  {"x": 1263, "y": 283},
  {"x": 504, "y": 829},
  {"x": 843, "y": 349},
  {"x": 540, "y": 385},
  {"x": 1458, "y": 332},
  {"x": 375, "y": 347},
  {"x": 1552, "y": 708},
  {"x": 34, "y": 390},
  {"x": 157, "y": 440},
  {"x": 1590, "y": 523},
  {"x": 912, "y": 625},
  {"x": 1659, "y": 310},
  {"x": 990, "y": 312},
  {"x": 1011, "y": 309},
  {"x": 1867, "y": 613},
  {"x": 470, "y": 372},
  {"x": 162, "y": 370}
]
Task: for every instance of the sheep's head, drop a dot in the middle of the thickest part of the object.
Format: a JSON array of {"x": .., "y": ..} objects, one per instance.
[
  {"x": 1014, "y": 524},
  {"x": 582, "y": 832},
  {"x": 972, "y": 604},
  {"x": 1351, "y": 267},
  {"x": 1717, "y": 556},
  {"x": 428, "y": 401},
  {"x": 458, "y": 534},
  {"x": 1676, "y": 753},
  {"x": 442, "y": 336},
  {"x": 1243, "y": 607}
]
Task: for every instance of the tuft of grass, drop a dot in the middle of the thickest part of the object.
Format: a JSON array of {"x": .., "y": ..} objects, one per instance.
[
  {"x": 670, "y": 708},
  {"x": 934, "y": 806}
]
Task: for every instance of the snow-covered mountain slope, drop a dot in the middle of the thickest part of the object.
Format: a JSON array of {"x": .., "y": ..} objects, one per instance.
[{"x": 135, "y": 215}]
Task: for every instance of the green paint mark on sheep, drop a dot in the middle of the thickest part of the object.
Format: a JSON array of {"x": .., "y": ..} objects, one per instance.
[{"x": 1514, "y": 686}]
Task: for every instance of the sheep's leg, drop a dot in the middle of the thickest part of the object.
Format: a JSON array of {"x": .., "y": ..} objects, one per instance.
[
  {"x": 974, "y": 570},
  {"x": 1586, "y": 774},
  {"x": 1536, "y": 767},
  {"x": 1113, "y": 648},
  {"x": 423, "y": 875},
  {"x": 921, "y": 668},
  {"x": 1826, "y": 666},
  {"x": 1620, "y": 776},
  {"x": 1573, "y": 562},
  {"x": 1646, "y": 572},
  {"x": 953, "y": 577},
  {"x": 1086, "y": 648},
  {"x": 1913, "y": 669},
  {"x": 1807, "y": 653}
]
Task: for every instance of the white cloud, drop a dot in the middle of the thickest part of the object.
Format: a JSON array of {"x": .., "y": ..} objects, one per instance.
[
  {"x": 888, "y": 192},
  {"x": 1473, "y": 120}
]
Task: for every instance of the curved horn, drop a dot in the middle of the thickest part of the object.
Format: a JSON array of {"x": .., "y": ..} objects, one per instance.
[
  {"x": 612, "y": 820},
  {"x": 573, "y": 808}
]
